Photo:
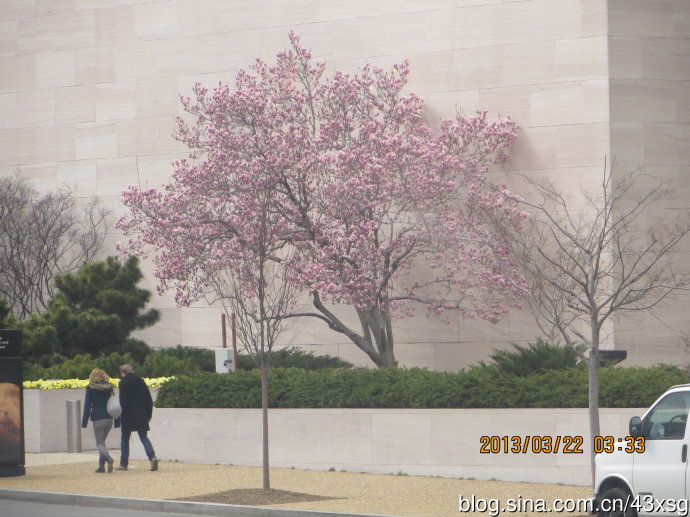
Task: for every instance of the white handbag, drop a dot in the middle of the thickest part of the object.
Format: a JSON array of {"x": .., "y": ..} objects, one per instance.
[{"x": 113, "y": 406}]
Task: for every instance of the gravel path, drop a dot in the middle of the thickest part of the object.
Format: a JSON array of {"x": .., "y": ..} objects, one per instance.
[{"x": 295, "y": 489}]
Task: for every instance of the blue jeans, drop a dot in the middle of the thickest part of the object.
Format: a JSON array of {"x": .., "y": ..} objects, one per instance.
[{"x": 124, "y": 446}]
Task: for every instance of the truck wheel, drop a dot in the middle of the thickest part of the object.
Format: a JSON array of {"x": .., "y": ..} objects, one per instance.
[{"x": 615, "y": 502}]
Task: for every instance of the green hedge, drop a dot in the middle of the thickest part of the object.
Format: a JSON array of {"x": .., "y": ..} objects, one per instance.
[
  {"x": 294, "y": 358},
  {"x": 478, "y": 387},
  {"x": 166, "y": 362},
  {"x": 155, "y": 364}
]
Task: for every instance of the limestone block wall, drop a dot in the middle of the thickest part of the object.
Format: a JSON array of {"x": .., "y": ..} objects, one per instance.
[
  {"x": 45, "y": 422},
  {"x": 427, "y": 442},
  {"x": 649, "y": 46},
  {"x": 89, "y": 89},
  {"x": 415, "y": 442}
]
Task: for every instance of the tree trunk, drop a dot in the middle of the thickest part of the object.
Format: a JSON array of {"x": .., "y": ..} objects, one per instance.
[
  {"x": 593, "y": 374},
  {"x": 388, "y": 356},
  {"x": 378, "y": 325},
  {"x": 264, "y": 412},
  {"x": 376, "y": 339}
]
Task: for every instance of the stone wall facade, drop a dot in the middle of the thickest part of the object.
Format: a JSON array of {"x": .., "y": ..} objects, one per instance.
[
  {"x": 425, "y": 442},
  {"x": 89, "y": 89}
]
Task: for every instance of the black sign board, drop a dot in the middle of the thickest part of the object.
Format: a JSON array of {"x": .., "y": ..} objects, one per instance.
[
  {"x": 10, "y": 343},
  {"x": 11, "y": 404}
]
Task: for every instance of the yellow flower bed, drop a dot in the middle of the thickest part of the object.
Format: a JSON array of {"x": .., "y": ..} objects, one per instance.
[{"x": 67, "y": 384}]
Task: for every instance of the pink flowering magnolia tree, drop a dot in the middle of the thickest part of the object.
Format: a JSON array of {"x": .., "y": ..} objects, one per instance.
[{"x": 365, "y": 198}]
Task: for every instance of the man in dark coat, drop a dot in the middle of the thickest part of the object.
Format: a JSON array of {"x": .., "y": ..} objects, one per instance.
[{"x": 137, "y": 408}]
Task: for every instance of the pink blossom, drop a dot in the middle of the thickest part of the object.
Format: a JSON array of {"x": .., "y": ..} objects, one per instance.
[{"x": 361, "y": 193}]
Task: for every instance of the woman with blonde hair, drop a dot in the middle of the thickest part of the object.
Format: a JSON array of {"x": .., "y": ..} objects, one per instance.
[{"x": 99, "y": 390}]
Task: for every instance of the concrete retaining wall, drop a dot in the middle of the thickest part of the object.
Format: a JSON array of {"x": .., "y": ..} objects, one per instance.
[
  {"x": 45, "y": 421},
  {"x": 434, "y": 442}
]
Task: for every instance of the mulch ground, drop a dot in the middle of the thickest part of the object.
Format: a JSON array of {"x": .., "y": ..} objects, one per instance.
[{"x": 256, "y": 497}]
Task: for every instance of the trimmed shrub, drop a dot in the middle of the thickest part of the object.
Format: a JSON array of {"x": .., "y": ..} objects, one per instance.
[
  {"x": 637, "y": 386},
  {"x": 203, "y": 359},
  {"x": 165, "y": 362},
  {"x": 294, "y": 358},
  {"x": 78, "y": 367},
  {"x": 419, "y": 388},
  {"x": 537, "y": 357}
]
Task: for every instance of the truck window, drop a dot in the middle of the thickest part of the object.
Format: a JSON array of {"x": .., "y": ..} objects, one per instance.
[{"x": 668, "y": 418}]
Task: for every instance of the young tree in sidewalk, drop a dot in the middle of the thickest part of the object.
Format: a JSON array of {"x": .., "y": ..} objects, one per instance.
[
  {"x": 248, "y": 273},
  {"x": 364, "y": 192},
  {"x": 258, "y": 291},
  {"x": 586, "y": 263}
]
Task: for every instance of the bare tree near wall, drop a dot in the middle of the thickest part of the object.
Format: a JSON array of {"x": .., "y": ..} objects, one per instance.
[
  {"x": 42, "y": 236},
  {"x": 586, "y": 263}
]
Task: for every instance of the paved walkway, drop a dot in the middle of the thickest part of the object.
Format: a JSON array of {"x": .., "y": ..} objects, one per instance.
[{"x": 66, "y": 478}]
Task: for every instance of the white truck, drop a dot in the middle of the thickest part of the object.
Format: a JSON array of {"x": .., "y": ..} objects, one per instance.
[{"x": 647, "y": 473}]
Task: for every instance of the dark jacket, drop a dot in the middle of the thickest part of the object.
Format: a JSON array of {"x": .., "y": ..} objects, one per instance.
[
  {"x": 136, "y": 402},
  {"x": 95, "y": 403}
]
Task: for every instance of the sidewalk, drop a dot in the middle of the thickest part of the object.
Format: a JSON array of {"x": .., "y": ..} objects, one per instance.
[{"x": 232, "y": 490}]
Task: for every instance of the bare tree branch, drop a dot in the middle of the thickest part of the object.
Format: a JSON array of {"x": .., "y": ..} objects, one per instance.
[
  {"x": 604, "y": 257},
  {"x": 41, "y": 237}
]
